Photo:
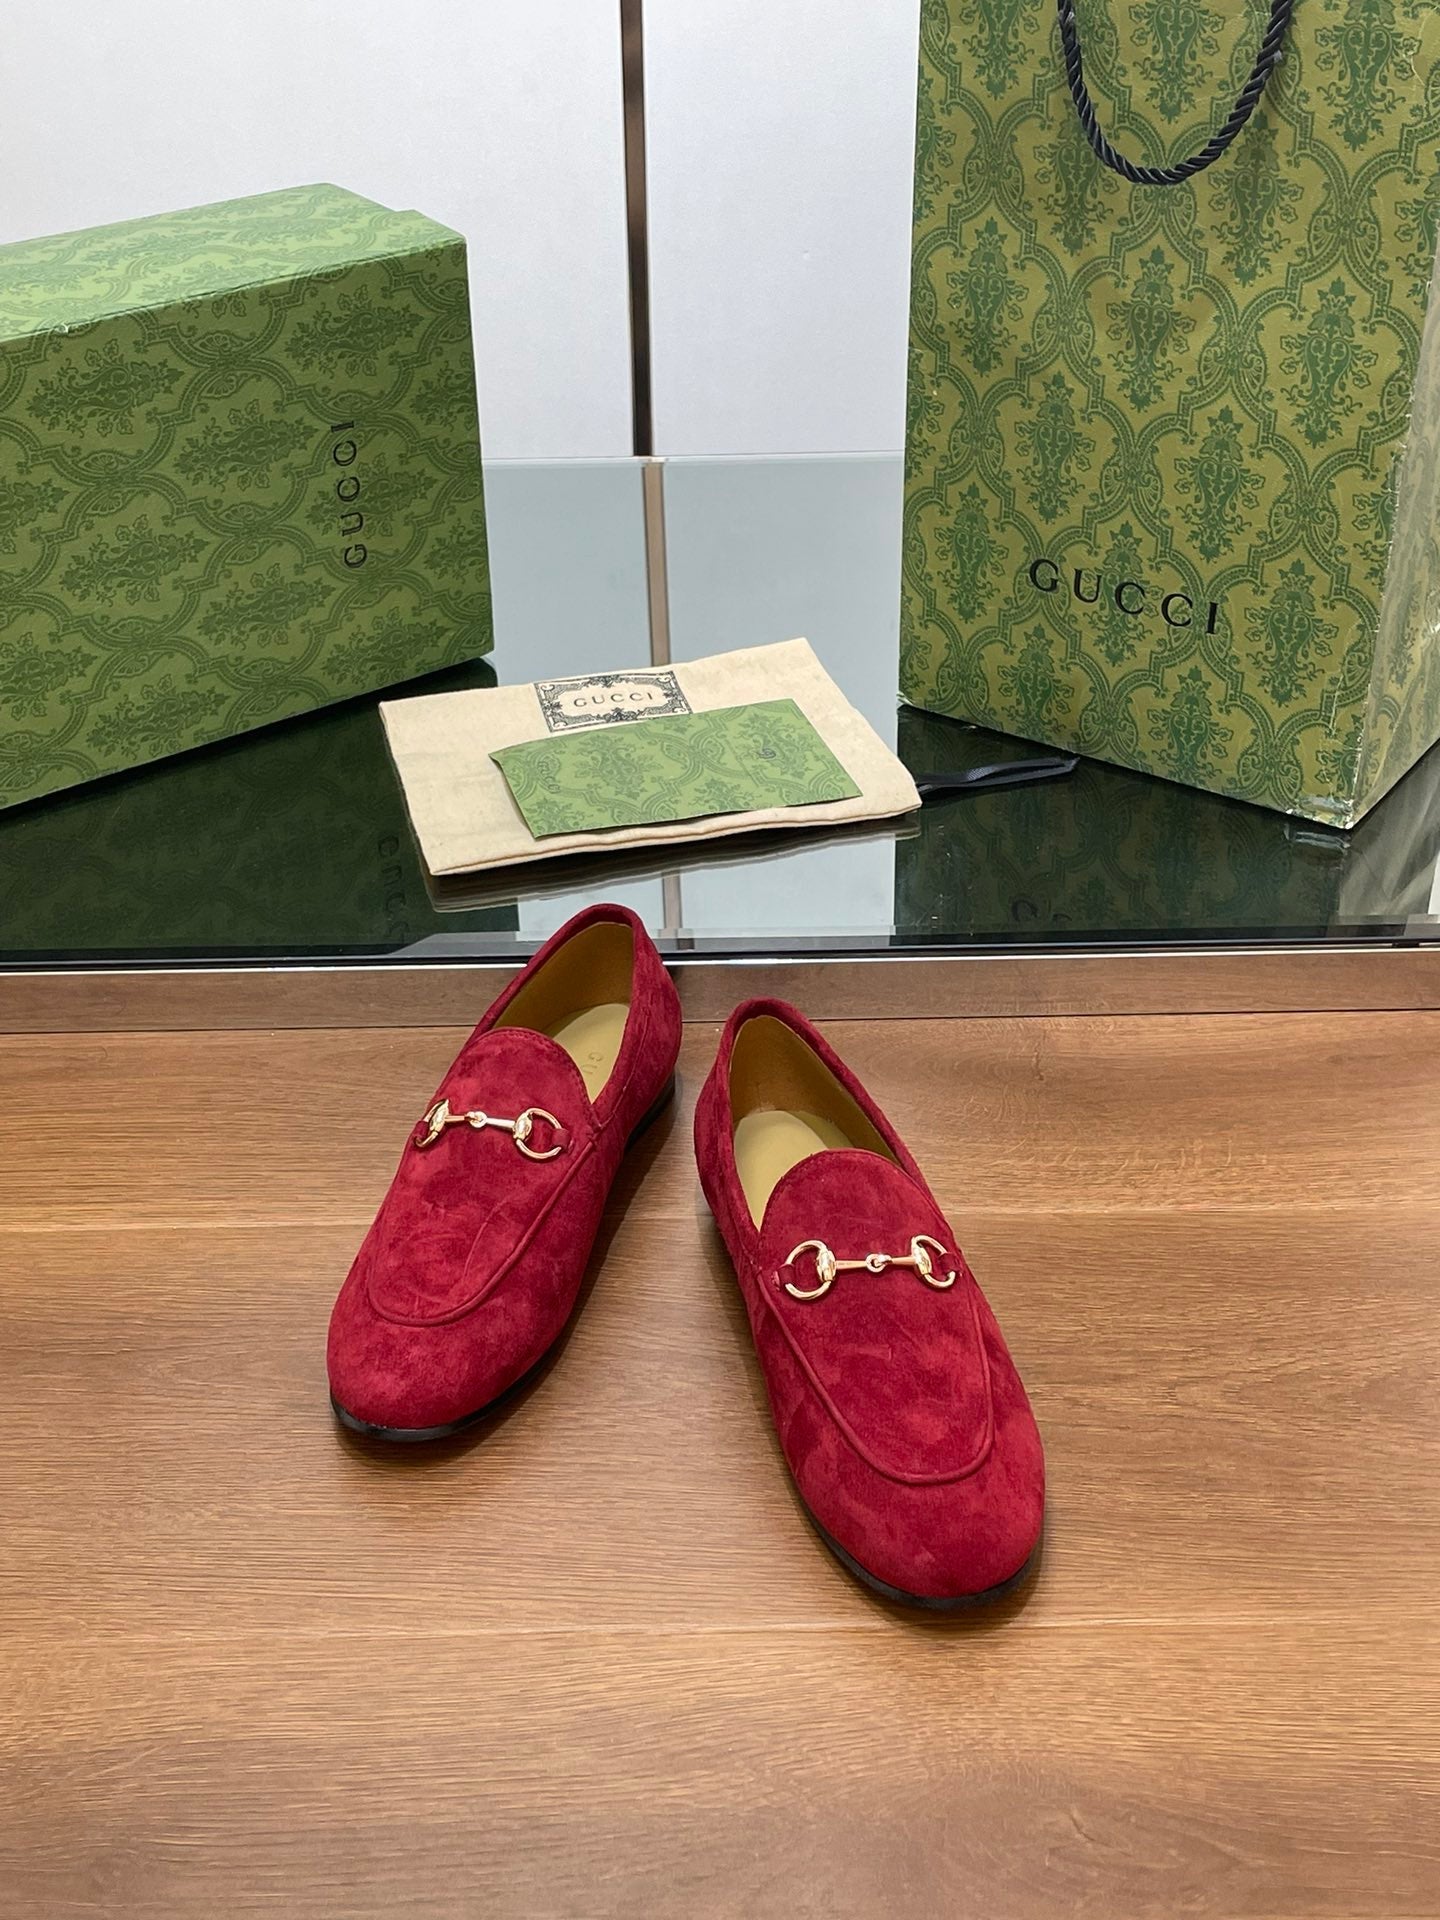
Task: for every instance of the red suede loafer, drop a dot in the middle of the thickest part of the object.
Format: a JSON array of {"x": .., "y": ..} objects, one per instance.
[
  {"x": 474, "y": 1262},
  {"x": 899, "y": 1410}
]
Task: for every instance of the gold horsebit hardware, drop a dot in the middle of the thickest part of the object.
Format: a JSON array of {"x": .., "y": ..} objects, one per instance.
[
  {"x": 439, "y": 1117},
  {"x": 827, "y": 1266}
]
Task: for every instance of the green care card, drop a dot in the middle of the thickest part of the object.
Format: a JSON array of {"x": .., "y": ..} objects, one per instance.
[{"x": 731, "y": 760}]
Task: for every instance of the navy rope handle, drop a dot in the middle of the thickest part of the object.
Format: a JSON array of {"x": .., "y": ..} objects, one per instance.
[{"x": 1272, "y": 52}]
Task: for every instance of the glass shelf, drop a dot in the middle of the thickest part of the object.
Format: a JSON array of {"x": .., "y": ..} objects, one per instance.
[{"x": 291, "y": 844}]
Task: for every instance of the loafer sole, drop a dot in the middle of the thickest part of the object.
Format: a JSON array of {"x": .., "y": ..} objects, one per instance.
[
  {"x": 411, "y": 1436},
  {"x": 929, "y": 1603}
]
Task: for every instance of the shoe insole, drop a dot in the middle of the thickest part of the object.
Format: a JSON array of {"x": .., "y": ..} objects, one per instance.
[
  {"x": 592, "y": 1040},
  {"x": 768, "y": 1143}
]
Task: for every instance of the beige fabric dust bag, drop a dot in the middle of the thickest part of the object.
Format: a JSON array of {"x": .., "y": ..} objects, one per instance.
[{"x": 466, "y": 821}]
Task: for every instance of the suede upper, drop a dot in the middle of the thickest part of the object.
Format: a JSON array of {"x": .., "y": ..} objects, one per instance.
[
  {"x": 474, "y": 1261},
  {"x": 898, "y": 1407},
  {"x": 899, "y": 1367}
]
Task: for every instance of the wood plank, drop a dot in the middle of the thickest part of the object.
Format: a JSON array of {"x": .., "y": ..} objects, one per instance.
[
  {"x": 1048, "y": 1116},
  {"x": 1001, "y": 984},
  {"x": 991, "y": 1770},
  {"x": 180, "y": 1418},
  {"x": 592, "y": 1662}
]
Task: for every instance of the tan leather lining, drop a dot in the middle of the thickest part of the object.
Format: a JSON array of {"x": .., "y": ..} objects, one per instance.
[
  {"x": 581, "y": 999},
  {"x": 592, "y": 1040},
  {"x": 786, "y": 1104}
]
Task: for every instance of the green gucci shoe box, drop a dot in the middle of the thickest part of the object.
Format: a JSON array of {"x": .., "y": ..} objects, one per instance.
[{"x": 239, "y": 476}]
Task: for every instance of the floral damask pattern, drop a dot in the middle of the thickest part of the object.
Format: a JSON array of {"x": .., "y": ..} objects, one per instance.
[
  {"x": 1218, "y": 488},
  {"x": 104, "y": 392},
  {"x": 986, "y": 298},
  {"x": 1364, "y": 50},
  {"x": 1252, "y": 201},
  {"x": 351, "y": 335},
  {"x": 269, "y": 605},
  {"x": 1186, "y": 731},
  {"x": 387, "y": 494},
  {"x": 1034, "y": 685},
  {"x": 1148, "y": 332},
  {"x": 32, "y": 673},
  {"x": 975, "y": 562},
  {"x": 1179, "y": 42},
  {"x": 136, "y": 563},
  {"x": 158, "y": 719},
  {"x": 1173, "y": 451},
  {"x": 25, "y": 504},
  {"x": 1294, "y": 637},
  {"x": 239, "y": 476},
  {"x": 726, "y": 760},
  {"x": 1058, "y": 447},
  {"x": 1329, "y": 363},
  {"x": 248, "y": 446},
  {"x": 387, "y": 647}
]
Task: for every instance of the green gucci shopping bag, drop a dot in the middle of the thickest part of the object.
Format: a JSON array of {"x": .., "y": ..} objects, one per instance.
[{"x": 1173, "y": 464}]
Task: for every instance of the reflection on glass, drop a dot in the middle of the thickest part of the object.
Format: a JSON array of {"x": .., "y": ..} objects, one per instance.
[
  {"x": 294, "y": 840},
  {"x": 1106, "y": 852},
  {"x": 290, "y": 840}
]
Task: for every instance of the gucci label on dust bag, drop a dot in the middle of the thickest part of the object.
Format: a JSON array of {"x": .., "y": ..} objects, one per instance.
[{"x": 602, "y": 699}]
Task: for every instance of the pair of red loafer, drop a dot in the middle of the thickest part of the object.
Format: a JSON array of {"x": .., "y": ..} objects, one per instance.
[{"x": 899, "y": 1411}]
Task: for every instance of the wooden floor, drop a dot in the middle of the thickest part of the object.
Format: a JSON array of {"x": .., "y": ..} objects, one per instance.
[{"x": 593, "y": 1662}]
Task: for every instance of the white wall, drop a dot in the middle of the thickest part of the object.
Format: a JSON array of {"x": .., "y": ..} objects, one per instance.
[
  {"x": 761, "y": 551},
  {"x": 780, "y": 151},
  {"x": 502, "y": 120},
  {"x": 781, "y": 136}
]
